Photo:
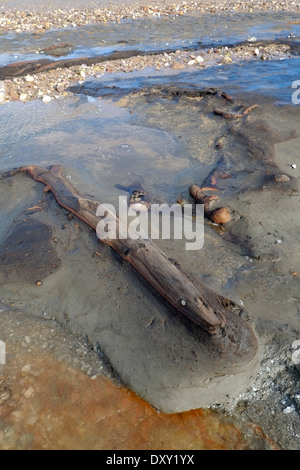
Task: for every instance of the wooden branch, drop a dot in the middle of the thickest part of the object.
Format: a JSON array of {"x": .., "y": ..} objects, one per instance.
[
  {"x": 230, "y": 115},
  {"x": 224, "y": 329}
]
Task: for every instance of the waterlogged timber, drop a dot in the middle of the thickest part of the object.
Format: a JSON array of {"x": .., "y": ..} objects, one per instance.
[{"x": 228, "y": 333}]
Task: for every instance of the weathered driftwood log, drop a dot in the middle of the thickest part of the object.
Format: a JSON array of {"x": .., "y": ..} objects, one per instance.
[{"x": 220, "y": 327}]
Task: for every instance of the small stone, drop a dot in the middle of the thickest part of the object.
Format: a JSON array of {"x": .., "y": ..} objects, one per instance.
[
  {"x": 227, "y": 60},
  {"x": 29, "y": 393},
  {"x": 294, "y": 166},
  {"x": 13, "y": 95},
  {"x": 177, "y": 65},
  {"x": 221, "y": 216},
  {"x": 60, "y": 87},
  {"x": 29, "y": 78},
  {"x": 191, "y": 62},
  {"x": 23, "y": 97},
  {"x": 289, "y": 409},
  {"x": 46, "y": 99},
  {"x": 4, "y": 396},
  {"x": 199, "y": 59},
  {"x": 2, "y": 92},
  {"x": 26, "y": 369},
  {"x": 281, "y": 178}
]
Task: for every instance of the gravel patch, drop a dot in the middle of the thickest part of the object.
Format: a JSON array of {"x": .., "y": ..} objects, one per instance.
[
  {"x": 54, "y": 84},
  {"x": 39, "y": 19}
]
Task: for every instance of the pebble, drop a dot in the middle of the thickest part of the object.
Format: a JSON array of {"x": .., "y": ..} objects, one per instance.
[
  {"x": 23, "y": 97},
  {"x": 221, "y": 216},
  {"x": 289, "y": 409},
  {"x": 227, "y": 60},
  {"x": 2, "y": 92},
  {"x": 199, "y": 59},
  {"x": 29, "y": 392},
  {"x": 47, "y": 98},
  {"x": 5, "y": 396},
  {"x": 281, "y": 178},
  {"x": 29, "y": 78},
  {"x": 13, "y": 95},
  {"x": 26, "y": 369}
]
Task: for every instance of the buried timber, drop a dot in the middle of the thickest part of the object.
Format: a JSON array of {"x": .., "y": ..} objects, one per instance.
[{"x": 181, "y": 329}]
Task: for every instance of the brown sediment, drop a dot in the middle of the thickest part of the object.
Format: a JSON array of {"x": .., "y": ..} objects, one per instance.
[{"x": 46, "y": 403}]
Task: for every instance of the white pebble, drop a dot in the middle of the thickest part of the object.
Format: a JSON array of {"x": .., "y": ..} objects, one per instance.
[
  {"x": 29, "y": 78},
  {"x": 199, "y": 59},
  {"x": 2, "y": 92},
  {"x": 46, "y": 99},
  {"x": 23, "y": 97},
  {"x": 294, "y": 166},
  {"x": 29, "y": 393},
  {"x": 289, "y": 409},
  {"x": 26, "y": 369}
]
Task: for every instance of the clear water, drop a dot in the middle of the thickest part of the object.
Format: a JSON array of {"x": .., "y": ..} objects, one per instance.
[{"x": 150, "y": 35}]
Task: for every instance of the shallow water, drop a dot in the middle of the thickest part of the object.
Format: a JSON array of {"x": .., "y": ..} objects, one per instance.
[
  {"x": 107, "y": 136},
  {"x": 188, "y": 31}
]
